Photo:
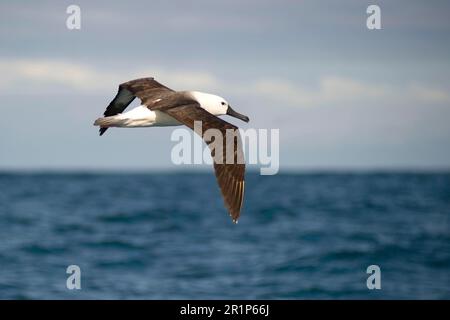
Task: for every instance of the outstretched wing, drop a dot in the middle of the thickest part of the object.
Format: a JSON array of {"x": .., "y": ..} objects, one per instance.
[
  {"x": 230, "y": 176},
  {"x": 146, "y": 89}
]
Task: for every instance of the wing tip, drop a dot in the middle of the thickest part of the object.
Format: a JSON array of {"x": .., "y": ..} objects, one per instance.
[
  {"x": 235, "y": 214},
  {"x": 102, "y": 131}
]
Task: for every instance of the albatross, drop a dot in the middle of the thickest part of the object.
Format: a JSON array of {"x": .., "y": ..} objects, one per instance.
[{"x": 162, "y": 106}]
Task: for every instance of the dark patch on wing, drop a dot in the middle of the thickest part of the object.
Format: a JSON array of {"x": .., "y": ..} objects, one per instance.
[
  {"x": 230, "y": 177},
  {"x": 120, "y": 102}
]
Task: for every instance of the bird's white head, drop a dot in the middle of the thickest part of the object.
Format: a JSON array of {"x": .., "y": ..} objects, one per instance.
[{"x": 216, "y": 105}]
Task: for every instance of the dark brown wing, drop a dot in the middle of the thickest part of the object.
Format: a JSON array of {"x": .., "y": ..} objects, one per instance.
[
  {"x": 230, "y": 176},
  {"x": 146, "y": 89}
]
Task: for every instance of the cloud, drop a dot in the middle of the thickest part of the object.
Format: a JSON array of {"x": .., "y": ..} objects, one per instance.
[
  {"x": 43, "y": 76},
  {"x": 331, "y": 89},
  {"x": 47, "y": 76},
  {"x": 21, "y": 75},
  {"x": 341, "y": 90},
  {"x": 429, "y": 94}
]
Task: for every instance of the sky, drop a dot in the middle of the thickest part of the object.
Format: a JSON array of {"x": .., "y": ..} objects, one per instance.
[{"x": 341, "y": 95}]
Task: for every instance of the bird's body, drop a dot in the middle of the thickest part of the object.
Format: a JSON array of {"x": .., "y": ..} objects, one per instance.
[
  {"x": 143, "y": 116},
  {"x": 162, "y": 107}
]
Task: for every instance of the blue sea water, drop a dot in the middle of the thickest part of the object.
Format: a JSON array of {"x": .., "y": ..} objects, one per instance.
[{"x": 168, "y": 236}]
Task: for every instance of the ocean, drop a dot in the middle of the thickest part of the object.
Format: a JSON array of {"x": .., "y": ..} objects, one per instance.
[{"x": 168, "y": 236}]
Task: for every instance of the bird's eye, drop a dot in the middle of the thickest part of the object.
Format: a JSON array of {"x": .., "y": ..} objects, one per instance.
[{"x": 223, "y": 103}]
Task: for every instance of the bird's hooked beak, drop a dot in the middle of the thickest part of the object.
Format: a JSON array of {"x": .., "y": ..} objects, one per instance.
[{"x": 235, "y": 114}]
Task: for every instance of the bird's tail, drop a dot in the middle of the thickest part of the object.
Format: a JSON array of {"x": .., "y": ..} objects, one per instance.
[{"x": 107, "y": 122}]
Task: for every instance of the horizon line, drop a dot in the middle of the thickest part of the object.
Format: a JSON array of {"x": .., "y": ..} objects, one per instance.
[{"x": 251, "y": 170}]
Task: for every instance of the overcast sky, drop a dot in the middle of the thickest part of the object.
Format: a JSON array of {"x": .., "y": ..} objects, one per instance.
[{"x": 341, "y": 95}]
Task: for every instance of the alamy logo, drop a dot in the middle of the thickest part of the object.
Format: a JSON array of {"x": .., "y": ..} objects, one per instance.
[
  {"x": 73, "y": 21},
  {"x": 374, "y": 280},
  {"x": 74, "y": 280},
  {"x": 260, "y": 147},
  {"x": 374, "y": 20}
]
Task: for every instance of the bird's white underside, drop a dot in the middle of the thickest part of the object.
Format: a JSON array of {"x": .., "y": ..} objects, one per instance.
[{"x": 142, "y": 116}]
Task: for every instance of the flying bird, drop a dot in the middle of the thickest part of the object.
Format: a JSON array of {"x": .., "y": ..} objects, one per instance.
[{"x": 161, "y": 106}]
